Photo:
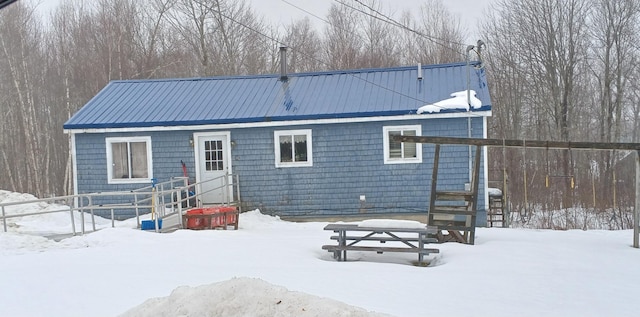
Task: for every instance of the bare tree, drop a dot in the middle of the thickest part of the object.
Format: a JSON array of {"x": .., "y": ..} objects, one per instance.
[
  {"x": 613, "y": 62},
  {"x": 434, "y": 36},
  {"x": 226, "y": 37},
  {"x": 342, "y": 42},
  {"x": 540, "y": 54},
  {"x": 25, "y": 147},
  {"x": 305, "y": 44},
  {"x": 151, "y": 48},
  {"x": 380, "y": 48}
]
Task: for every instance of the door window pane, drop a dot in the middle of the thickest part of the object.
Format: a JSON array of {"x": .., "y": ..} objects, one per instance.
[{"x": 213, "y": 158}]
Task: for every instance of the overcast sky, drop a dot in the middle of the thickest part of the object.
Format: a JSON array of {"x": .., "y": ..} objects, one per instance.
[{"x": 280, "y": 12}]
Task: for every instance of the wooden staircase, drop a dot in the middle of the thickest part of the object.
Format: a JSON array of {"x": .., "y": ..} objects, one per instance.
[{"x": 454, "y": 211}]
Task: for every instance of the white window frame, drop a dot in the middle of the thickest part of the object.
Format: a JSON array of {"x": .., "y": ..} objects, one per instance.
[
  {"x": 402, "y": 160},
  {"x": 276, "y": 141},
  {"x": 110, "y": 141}
]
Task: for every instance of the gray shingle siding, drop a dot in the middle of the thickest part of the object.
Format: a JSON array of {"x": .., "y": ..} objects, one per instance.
[{"x": 348, "y": 161}]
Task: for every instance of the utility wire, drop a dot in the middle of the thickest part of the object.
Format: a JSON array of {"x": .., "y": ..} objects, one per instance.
[
  {"x": 324, "y": 63},
  {"x": 307, "y": 12},
  {"x": 382, "y": 17}
]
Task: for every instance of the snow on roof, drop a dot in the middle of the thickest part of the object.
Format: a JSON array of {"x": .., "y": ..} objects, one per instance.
[{"x": 459, "y": 100}]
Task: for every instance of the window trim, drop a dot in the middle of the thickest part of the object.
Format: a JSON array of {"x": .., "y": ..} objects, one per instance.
[
  {"x": 110, "y": 141},
  {"x": 385, "y": 136},
  {"x": 276, "y": 141}
]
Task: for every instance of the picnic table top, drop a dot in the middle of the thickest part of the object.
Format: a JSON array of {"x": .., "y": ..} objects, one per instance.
[{"x": 357, "y": 227}]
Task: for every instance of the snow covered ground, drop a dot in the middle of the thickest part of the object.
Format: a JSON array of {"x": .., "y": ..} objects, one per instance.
[{"x": 270, "y": 267}]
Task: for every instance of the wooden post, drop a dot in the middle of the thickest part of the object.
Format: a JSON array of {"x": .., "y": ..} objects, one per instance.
[
  {"x": 636, "y": 212},
  {"x": 434, "y": 179}
]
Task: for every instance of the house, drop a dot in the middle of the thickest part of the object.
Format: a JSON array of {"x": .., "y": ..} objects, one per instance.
[{"x": 302, "y": 145}]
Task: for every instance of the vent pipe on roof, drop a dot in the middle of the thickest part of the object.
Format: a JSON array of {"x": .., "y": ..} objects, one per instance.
[
  {"x": 419, "y": 71},
  {"x": 283, "y": 63}
]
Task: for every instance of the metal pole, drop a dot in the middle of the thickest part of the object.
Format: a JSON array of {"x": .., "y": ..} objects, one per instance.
[
  {"x": 505, "y": 210},
  {"x": 226, "y": 188},
  {"x": 4, "y": 219},
  {"x": 73, "y": 222},
  {"x": 179, "y": 204},
  {"x": 76, "y": 203},
  {"x": 237, "y": 183},
  {"x": 135, "y": 199},
  {"x": 636, "y": 213},
  {"x": 469, "y": 48},
  {"x": 93, "y": 217}
]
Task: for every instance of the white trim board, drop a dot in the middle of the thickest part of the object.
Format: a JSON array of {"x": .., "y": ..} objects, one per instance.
[{"x": 228, "y": 126}]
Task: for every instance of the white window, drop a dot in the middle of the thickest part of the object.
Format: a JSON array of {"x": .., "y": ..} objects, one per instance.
[
  {"x": 293, "y": 148},
  {"x": 129, "y": 160},
  {"x": 396, "y": 152}
]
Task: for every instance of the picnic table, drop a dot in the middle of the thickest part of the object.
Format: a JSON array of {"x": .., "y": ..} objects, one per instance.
[{"x": 363, "y": 237}]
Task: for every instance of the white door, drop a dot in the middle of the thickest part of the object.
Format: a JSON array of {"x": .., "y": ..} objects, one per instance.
[{"x": 213, "y": 163}]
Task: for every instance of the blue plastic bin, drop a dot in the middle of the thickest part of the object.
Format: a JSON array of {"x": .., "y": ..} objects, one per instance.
[{"x": 150, "y": 224}]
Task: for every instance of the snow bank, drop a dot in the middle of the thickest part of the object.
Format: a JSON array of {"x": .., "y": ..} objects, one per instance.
[
  {"x": 56, "y": 220},
  {"x": 243, "y": 297}
]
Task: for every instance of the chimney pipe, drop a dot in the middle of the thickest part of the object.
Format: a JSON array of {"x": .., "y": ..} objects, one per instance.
[{"x": 283, "y": 63}]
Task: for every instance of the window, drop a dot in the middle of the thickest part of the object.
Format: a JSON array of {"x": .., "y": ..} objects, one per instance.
[
  {"x": 129, "y": 160},
  {"x": 293, "y": 148},
  {"x": 213, "y": 155},
  {"x": 401, "y": 152}
]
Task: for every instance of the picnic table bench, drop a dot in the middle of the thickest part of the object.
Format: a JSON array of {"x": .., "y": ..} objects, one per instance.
[{"x": 350, "y": 237}]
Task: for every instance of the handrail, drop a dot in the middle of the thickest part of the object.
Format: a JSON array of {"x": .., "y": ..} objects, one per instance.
[{"x": 140, "y": 200}]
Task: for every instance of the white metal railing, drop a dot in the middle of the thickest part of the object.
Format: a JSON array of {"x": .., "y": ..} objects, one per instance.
[{"x": 161, "y": 199}]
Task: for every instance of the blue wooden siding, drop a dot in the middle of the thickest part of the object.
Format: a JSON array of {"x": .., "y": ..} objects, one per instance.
[{"x": 348, "y": 161}]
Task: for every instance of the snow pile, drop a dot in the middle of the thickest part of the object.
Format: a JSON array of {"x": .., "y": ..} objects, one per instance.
[
  {"x": 7, "y": 197},
  {"x": 255, "y": 220},
  {"x": 494, "y": 192},
  {"x": 391, "y": 223},
  {"x": 243, "y": 297},
  {"x": 458, "y": 101},
  {"x": 58, "y": 220}
]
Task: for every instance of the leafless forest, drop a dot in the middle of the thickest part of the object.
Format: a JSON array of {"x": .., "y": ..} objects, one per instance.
[{"x": 558, "y": 70}]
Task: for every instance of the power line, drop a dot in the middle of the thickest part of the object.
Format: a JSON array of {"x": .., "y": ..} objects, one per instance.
[
  {"x": 307, "y": 12},
  {"x": 470, "y": 114},
  {"x": 387, "y": 19}
]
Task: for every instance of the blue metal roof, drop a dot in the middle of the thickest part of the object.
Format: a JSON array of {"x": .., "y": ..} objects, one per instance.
[{"x": 246, "y": 99}]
